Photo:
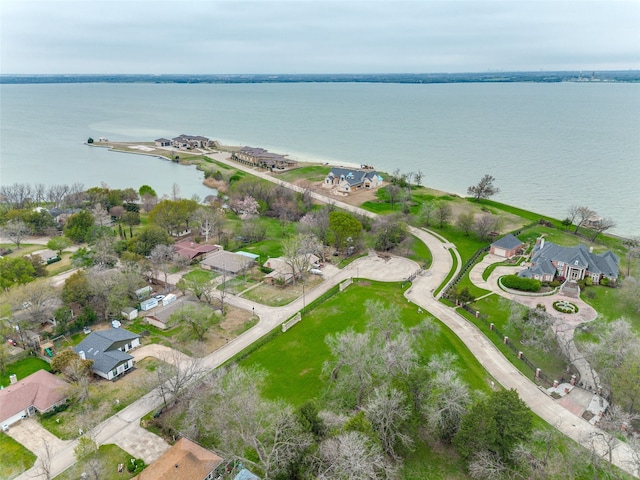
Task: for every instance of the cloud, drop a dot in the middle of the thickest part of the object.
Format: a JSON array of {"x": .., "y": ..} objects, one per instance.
[{"x": 192, "y": 36}]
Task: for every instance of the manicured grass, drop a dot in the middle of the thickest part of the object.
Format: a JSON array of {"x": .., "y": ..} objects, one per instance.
[
  {"x": 294, "y": 359},
  {"x": 14, "y": 458},
  {"x": 313, "y": 173},
  {"x": 610, "y": 305},
  {"x": 449, "y": 276},
  {"x": 497, "y": 310},
  {"x": 108, "y": 458},
  {"x": 420, "y": 253},
  {"x": 266, "y": 249},
  {"x": 23, "y": 368}
]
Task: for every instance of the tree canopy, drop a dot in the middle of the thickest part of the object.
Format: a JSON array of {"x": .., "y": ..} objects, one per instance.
[{"x": 483, "y": 189}]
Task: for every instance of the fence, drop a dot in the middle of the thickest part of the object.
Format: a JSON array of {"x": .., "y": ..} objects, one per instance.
[
  {"x": 505, "y": 339},
  {"x": 290, "y": 323},
  {"x": 345, "y": 284}
]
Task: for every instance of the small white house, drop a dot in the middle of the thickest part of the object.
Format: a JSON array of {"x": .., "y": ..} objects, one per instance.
[
  {"x": 144, "y": 292},
  {"x": 148, "y": 304}
]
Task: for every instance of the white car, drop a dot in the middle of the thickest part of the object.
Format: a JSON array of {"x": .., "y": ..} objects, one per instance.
[{"x": 159, "y": 297}]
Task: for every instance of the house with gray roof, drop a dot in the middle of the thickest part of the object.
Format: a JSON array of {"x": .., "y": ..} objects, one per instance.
[
  {"x": 259, "y": 157},
  {"x": 348, "y": 180},
  {"x": 507, "y": 246},
  {"x": 549, "y": 260},
  {"x": 107, "y": 349}
]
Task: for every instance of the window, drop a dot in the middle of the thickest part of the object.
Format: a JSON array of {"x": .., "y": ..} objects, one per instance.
[{"x": 114, "y": 372}]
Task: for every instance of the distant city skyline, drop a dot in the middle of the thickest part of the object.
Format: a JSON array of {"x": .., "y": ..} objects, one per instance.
[{"x": 308, "y": 36}]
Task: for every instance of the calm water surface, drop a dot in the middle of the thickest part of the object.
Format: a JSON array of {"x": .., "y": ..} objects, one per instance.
[{"x": 549, "y": 146}]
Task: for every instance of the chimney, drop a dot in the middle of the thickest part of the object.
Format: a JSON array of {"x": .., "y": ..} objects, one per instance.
[
  {"x": 13, "y": 379},
  {"x": 590, "y": 249},
  {"x": 82, "y": 355},
  {"x": 541, "y": 243}
]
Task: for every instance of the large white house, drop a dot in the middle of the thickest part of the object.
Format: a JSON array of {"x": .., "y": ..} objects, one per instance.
[{"x": 351, "y": 179}]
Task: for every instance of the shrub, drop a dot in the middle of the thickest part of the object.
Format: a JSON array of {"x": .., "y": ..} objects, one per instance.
[
  {"x": 523, "y": 284},
  {"x": 555, "y": 284},
  {"x": 588, "y": 281},
  {"x": 604, "y": 281}
]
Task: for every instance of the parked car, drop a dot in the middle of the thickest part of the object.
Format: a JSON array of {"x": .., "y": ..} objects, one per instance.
[{"x": 159, "y": 297}]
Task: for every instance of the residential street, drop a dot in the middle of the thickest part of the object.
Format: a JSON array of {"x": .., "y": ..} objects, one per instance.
[{"x": 123, "y": 428}]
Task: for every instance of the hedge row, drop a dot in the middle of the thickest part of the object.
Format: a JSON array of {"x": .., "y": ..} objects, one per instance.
[{"x": 523, "y": 284}]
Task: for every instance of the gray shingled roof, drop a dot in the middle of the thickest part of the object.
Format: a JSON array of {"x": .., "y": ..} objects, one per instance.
[
  {"x": 352, "y": 176},
  {"x": 102, "y": 347},
  {"x": 507, "y": 242},
  {"x": 605, "y": 263}
]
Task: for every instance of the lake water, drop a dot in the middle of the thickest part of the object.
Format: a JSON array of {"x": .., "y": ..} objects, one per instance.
[{"x": 549, "y": 145}]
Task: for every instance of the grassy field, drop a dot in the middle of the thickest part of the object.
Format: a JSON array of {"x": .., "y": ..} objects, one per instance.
[
  {"x": 107, "y": 459},
  {"x": 23, "y": 368},
  {"x": 14, "y": 458},
  {"x": 312, "y": 173},
  {"x": 200, "y": 274},
  {"x": 294, "y": 360}
]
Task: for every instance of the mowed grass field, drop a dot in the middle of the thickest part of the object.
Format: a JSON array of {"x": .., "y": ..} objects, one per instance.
[{"x": 294, "y": 359}]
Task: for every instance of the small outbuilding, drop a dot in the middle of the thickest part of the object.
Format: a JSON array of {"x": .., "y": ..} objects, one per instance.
[
  {"x": 129, "y": 313},
  {"x": 148, "y": 304},
  {"x": 507, "y": 246}
]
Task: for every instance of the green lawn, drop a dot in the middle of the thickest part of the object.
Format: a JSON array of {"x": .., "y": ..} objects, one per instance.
[
  {"x": 107, "y": 460},
  {"x": 200, "y": 274},
  {"x": 313, "y": 173},
  {"x": 14, "y": 458},
  {"x": 294, "y": 360},
  {"x": 610, "y": 305},
  {"x": 23, "y": 368}
]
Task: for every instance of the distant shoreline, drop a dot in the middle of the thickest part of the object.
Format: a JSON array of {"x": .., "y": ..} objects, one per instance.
[{"x": 587, "y": 76}]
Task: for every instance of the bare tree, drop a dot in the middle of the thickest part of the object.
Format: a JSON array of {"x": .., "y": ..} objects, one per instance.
[
  {"x": 394, "y": 193},
  {"x": 418, "y": 177},
  {"x": 173, "y": 378},
  {"x": 16, "y": 231},
  {"x": 632, "y": 245},
  {"x": 43, "y": 465},
  {"x": 600, "y": 226},
  {"x": 484, "y": 225},
  {"x": 426, "y": 212},
  {"x": 100, "y": 215},
  {"x": 17, "y": 196},
  {"x": 208, "y": 218},
  {"x": 388, "y": 412},
  {"x": 162, "y": 258},
  {"x": 443, "y": 213},
  {"x": 483, "y": 189},
  {"x": 351, "y": 455},
  {"x": 298, "y": 251},
  {"x": 582, "y": 214},
  {"x": 242, "y": 419},
  {"x": 447, "y": 403},
  {"x": 33, "y": 303},
  {"x": 465, "y": 222}
]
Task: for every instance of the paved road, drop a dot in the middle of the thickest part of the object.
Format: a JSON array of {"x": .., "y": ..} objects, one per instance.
[{"x": 421, "y": 293}]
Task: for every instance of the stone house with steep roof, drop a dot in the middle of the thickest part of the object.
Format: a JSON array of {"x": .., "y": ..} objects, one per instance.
[{"x": 351, "y": 179}]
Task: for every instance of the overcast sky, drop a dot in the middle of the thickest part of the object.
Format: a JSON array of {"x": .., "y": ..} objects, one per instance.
[{"x": 305, "y": 36}]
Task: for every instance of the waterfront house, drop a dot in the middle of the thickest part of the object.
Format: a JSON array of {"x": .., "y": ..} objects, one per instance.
[
  {"x": 188, "y": 142},
  {"x": 507, "y": 246},
  {"x": 107, "y": 349},
  {"x": 351, "y": 179},
  {"x": 162, "y": 142},
  {"x": 39, "y": 392},
  {"x": 549, "y": 260},
  {"x": 259, "y": 157},
  {"x": 185, "y": 460}
]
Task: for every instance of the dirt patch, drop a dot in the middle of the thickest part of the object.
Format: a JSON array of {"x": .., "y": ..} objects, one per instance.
[{"x": 356, "y": 198}]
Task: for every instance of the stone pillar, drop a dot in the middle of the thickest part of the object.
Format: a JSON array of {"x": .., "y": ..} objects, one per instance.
[
  {"x": 477, "y": 313},
  {"x": 520, "y": 355},
  {"x": 555, "y": 383},
  {"x": 491, "y": 327},
  {"x": 573, "y": 380},
  {"x": 505, "y": 340},
  {"x": 537, "y": 373}
]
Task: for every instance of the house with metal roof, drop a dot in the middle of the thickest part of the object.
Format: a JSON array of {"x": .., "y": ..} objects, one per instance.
[
  {"x": 507, "y": 246},
  {"x": 107, "y": 349},
  {"x": 228, "y": 262},
  {"x": 549, "y": 260},
  {"x": 347, "y": 180}
]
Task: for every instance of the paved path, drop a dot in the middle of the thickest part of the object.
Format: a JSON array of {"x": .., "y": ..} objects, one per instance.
[{"x": 422, "y": 291}]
